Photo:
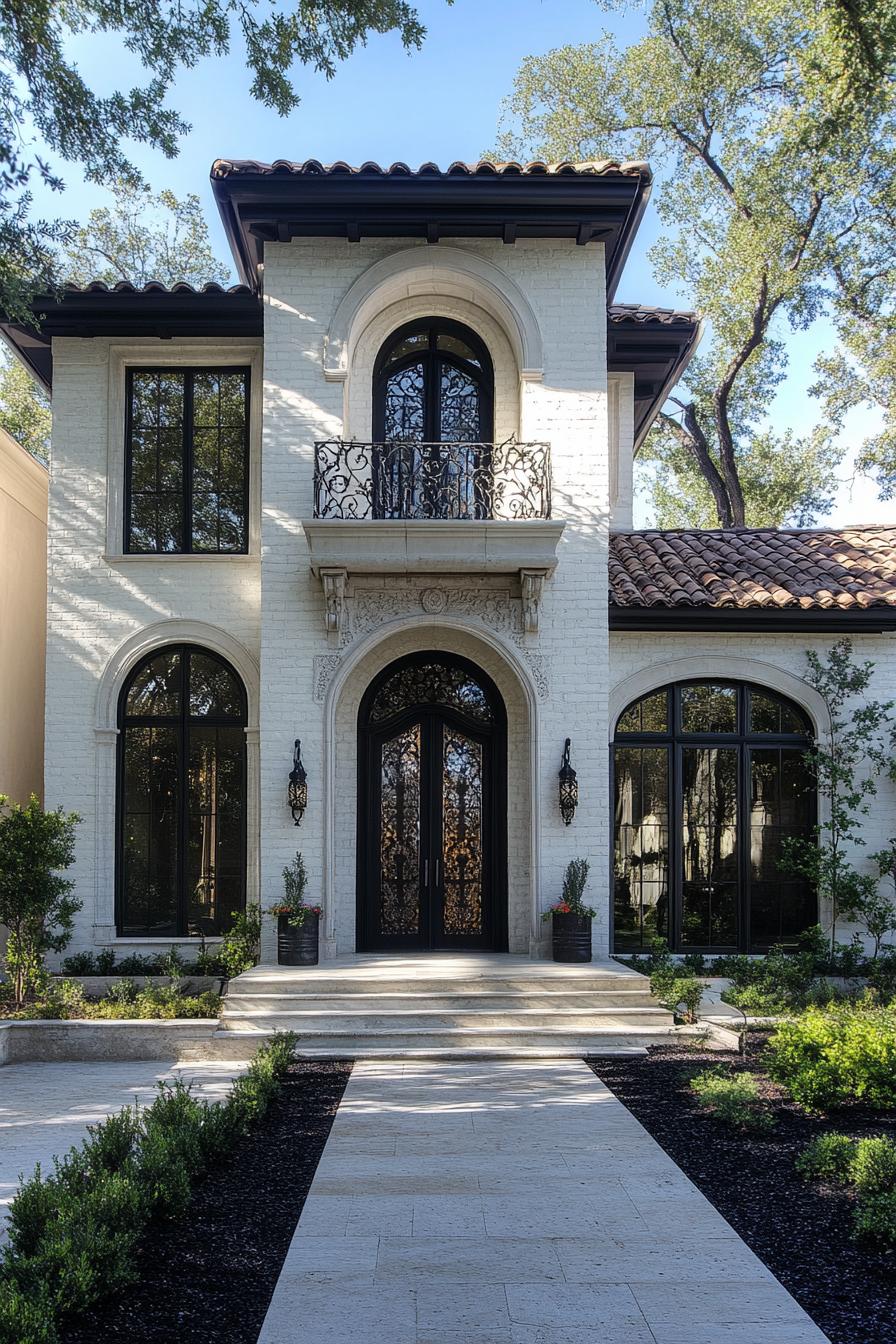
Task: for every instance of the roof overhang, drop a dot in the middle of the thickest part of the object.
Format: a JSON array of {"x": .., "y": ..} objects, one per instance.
[
  {"x": 750, "y": 620},
  {"x": 127, "y": 312},
  {"x": 262, "y": 203},
  {"x": 656, "y": 345}
]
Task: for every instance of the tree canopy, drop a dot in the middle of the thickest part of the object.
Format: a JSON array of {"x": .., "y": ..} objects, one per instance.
[
  {"x": 48, "y": 113},
  {"x": 139, "y": 236},
  {"x": 770, "y": 126}
]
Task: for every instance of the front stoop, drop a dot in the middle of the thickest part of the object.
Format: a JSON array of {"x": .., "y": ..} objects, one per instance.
[{"x": 446, "y": 1006}]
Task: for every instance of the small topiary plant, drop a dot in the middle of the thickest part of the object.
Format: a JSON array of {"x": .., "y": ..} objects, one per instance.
[
  {"x": 874, "y": 1166},
  {"x": 733, "y": 1099},
  {"x": 875, "y": 1218},
  {"x": 828, "y": 1157}
]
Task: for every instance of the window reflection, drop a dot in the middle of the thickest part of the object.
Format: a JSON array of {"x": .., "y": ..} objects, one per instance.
[
  {"x": 699, "y": 826},
  {"x": 182, "y": 812}
]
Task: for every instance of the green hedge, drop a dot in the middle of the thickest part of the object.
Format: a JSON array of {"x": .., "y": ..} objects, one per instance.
[
  {"x": 73, "y": 1234},
  {"x": 869, "y": 1166},
  {"x": 830, "y": 1057}
]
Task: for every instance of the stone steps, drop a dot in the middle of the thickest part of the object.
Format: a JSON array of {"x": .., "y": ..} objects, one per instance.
[
  {"x": 463, "y": 1001},
  {"x": 445, "y": 1007},
  {"x": 361, "y": 1019}
]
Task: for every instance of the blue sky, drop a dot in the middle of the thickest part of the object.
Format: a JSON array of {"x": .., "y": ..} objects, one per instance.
[{"x": 441, "y": 103}]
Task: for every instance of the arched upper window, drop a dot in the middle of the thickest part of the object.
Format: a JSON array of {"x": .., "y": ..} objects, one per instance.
[
  {"x": 433, "y": 383},
  {"x": 709, "y": 778},
  {"x": 181, "y": 795}
]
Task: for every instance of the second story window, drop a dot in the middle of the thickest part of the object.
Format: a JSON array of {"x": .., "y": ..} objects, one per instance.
[
  {"x": 433, "y": 383},
  {"x": 187, "y": 461}
]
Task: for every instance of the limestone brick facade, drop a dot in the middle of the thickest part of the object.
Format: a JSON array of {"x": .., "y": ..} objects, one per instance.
[{"x": 540, "y": 308}]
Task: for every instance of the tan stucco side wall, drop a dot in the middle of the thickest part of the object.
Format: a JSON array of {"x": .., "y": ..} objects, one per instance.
[{"x": 23, "y": 619}]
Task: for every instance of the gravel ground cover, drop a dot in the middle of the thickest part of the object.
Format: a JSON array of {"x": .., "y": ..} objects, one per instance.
[
  {"x": 210, "y": 1276},
  {"x": 800, "y": 1230}
]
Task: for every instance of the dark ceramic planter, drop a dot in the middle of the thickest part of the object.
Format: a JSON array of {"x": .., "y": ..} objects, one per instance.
[
  {"x": 297, "y": 946},
  {"x": 571, "y": 938}
]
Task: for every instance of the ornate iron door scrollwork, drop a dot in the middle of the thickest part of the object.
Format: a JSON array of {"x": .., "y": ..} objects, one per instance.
[{"x": 431, "y": 845}]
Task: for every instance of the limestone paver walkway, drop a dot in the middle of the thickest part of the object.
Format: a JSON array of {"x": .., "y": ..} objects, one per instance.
[
  {"x": 512, "y": 1203},
  {"x": 45, "y": 1108}
]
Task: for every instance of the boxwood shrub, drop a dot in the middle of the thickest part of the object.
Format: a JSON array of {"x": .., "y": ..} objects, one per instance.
[
  {"x": 833, "y": 1056},
  {"x": 73, "y": 1233}
]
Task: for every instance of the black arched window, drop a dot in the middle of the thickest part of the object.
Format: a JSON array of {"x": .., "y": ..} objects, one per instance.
[
  {"x": 433, "y": 383},
  {"x": 181, "y": 795},
  {"x": 709, "y": 778},
  {"x": 433, "y": 398}
]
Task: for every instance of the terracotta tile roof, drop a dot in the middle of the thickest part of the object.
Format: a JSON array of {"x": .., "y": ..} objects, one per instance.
[
  {"x": 640, "y": 313},
  {"x": 853, "y": 567},
  {"x": 153, "y": 287},
  {"x": 484, "y": 168}
]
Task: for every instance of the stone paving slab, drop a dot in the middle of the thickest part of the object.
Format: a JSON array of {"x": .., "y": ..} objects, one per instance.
[
  {"x": 46, "y": 1108},
  {"x": 512, "y": 1202}
]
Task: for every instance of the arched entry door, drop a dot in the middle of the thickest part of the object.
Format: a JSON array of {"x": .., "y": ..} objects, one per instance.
[{"x": 432, "y": 807}]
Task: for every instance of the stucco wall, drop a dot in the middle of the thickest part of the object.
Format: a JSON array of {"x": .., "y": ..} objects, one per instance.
[
  {"x": 642, "y": 661},
  {"x": 23, "y": 605}
]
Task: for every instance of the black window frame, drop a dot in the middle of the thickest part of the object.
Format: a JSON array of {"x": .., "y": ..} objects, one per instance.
[
  {"x": 676, "y": 740},
  {"x": 188, "y": 372},
  {"x": 183, "y": 721},
  {"x": 431, "y": 356}
]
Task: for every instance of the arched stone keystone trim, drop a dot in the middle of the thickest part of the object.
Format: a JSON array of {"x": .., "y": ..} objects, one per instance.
[
  {"x": 515, "y": 664},
  {"x": 447, "y": 270},
  {"x": 716, "y": 667},
  {"x": 116, "y": 672}
]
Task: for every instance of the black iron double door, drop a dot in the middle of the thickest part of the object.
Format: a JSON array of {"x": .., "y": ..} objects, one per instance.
[{"x": 429, "y": 848}]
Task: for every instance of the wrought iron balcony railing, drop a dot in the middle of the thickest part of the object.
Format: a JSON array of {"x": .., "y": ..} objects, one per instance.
[{"x": 509, "y": 480}]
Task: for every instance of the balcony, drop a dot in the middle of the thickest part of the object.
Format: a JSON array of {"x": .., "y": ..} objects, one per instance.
[
  {"x": 432, "y": 508},
  {"x": 449, "y": 482}
]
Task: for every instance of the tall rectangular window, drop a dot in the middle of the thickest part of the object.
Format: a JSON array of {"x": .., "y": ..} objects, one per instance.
[{"x": 187, "y": 461}]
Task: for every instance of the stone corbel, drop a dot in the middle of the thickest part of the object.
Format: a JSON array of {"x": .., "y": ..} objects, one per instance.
[
  {"x": 531, "y": 591},
  {"x": 333, "y": 583}
]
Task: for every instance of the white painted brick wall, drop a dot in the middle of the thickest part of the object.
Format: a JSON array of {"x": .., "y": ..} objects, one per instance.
[
  {"x": 275, "y": 608},
  {"x": 94, "y": 606},
  {"x": 565, "y": 286}
]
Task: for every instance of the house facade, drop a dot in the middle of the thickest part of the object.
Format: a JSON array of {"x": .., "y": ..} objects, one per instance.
[{"x": 367, "y": 518}]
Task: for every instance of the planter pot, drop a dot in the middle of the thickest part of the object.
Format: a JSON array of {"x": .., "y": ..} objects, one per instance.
[
  {"x": 297, "y": 946},
  {"x": 571, "y": 938}
]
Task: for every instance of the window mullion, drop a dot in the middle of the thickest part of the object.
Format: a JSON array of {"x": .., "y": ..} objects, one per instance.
[
  {"x": 188, "y": 461},
  {"x": 182, "y": 785}
]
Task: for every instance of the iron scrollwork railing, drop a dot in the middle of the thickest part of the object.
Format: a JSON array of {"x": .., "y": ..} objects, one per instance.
[{"x": 509, "y": 480}]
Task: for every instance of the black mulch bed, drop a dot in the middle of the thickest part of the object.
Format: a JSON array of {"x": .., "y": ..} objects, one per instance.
[
  {"x": 800, "y": 1230},
  {"x": 210, "y": 1276}
]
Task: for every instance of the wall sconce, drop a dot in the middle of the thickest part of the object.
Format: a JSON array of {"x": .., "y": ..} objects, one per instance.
[
  {"x": 298, "y": 785},
  {"x": 569, "y": 788}
]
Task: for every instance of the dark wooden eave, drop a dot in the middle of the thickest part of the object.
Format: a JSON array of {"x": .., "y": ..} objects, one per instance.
[
  {"x": 262, "y": 203},
  {"x": 654, "y": 344},
  {"x": 755, "y": 620},
  {"x": 126, "y": 312}
]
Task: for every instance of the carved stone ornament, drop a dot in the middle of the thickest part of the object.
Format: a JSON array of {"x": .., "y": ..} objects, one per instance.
[
  {"x": 374, "y": 606},
  {"x": 433, "y": 600},
  {"x": 325, "y": 665},
  {"x": 333, "y": 583},
  {"x": 531, "y": 591}
]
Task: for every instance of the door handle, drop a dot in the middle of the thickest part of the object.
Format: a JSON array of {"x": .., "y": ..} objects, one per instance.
[
  {"x": 426, "y": 872},
  {"x": 437, "y": 872}
]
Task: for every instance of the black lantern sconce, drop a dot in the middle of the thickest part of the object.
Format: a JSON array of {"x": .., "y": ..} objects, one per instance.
[
  {"x": 569, "y": 788},
  {"x": 298, "y": 785}
]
